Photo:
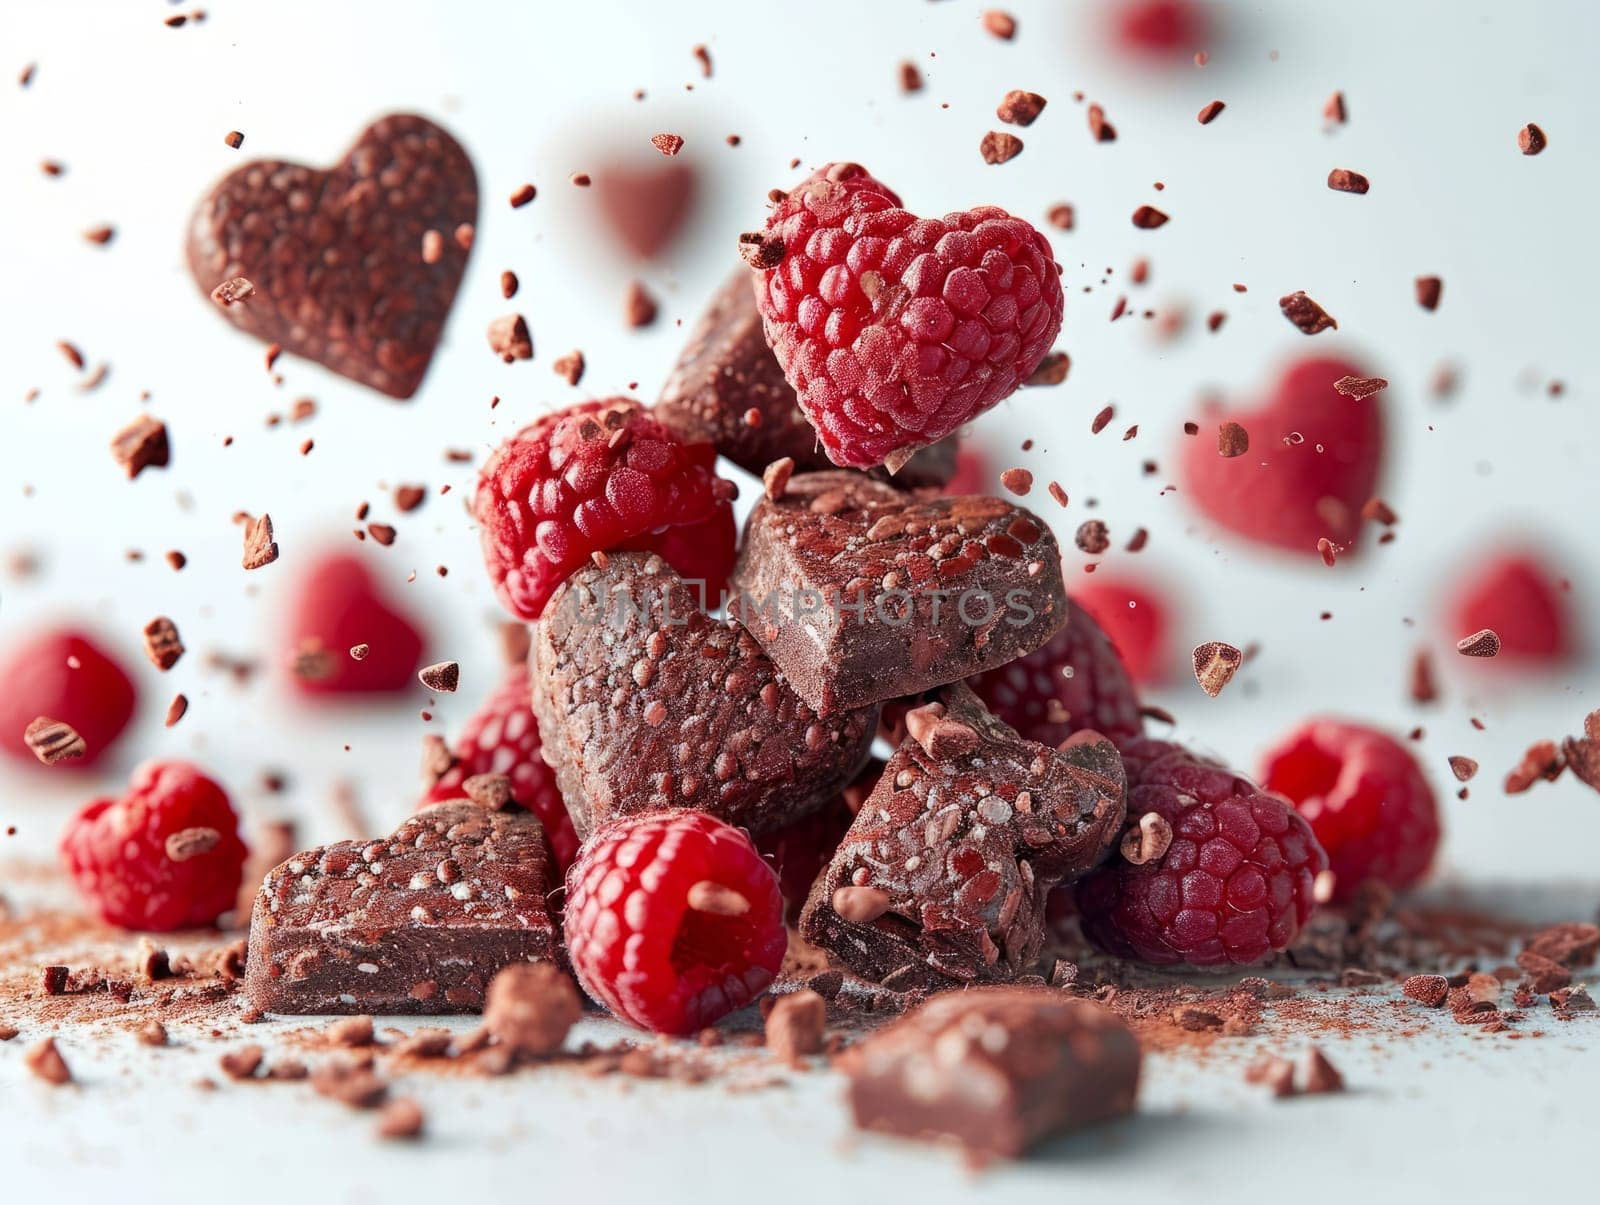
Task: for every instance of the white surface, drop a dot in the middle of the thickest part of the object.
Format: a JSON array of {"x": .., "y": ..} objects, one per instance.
[{"x": 1436, "y": 92}]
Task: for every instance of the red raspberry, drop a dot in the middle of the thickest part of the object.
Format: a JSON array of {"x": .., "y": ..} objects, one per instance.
[
  {"x": 893, "y": 329},
  {"x": 1074, "y": 680},
  {"x": 1235, "y": 883},
  {"x": 165, "y": 856},
  {"x": 1160, "y": 28},
  {"x": 502, "y": 738},
  {"x": 673, "y": 920},
  {"x": 595, "y": 477},
  {"x": 1312, "y": 464},
  {"x": 1134, "y": 616},
  {"x": 338, "y": 604},
  {"x": 62, "y": 675},
  {"x": 1522, "y": 601},
  {"x": 1365, "y": 798}
]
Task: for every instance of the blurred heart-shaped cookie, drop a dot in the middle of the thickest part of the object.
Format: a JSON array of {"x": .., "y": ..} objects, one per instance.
[{"x": 354, "y": 267}]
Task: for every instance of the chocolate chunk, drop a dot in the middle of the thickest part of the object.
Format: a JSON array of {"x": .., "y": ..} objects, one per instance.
[
  {"x": 333, "y": 254},
  {"x": 962, "y": 847},
  {"x": 1215, "y": 664},
  {"x": 52, "y": 740},
  {"x": 861, "y": 593},
  {"x": 1572, "y": 943},
  {"x": 1020, "y": 108},
  {"x": 996, "y": 1069},
  {"x": 796, "y": 1024},
  {"x": 1309, "y": 317},
  {"x": 644, "y": 702},
  {"x": 999, "y": 147},
  {"x": 417, "y": 922},
  {"x": 727, "y": 390},
  {"x": 530, "y": 1008},
  {"x": 142, "y": 444},
  {"x": 1531, "y": 139}
]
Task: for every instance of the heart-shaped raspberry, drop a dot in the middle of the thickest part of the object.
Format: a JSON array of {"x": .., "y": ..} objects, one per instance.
[
  {"x": 894, "y": 329},
  {"x": 338, "y": 607},
  {"x": 645, "y": 702},
  {"x": 1312, "y": 462},
  {"x": 337, "y": 257}
]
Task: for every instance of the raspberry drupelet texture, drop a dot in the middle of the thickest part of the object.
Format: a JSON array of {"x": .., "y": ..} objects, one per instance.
[
  {"x": 64, "y": 675},
  {"x": 596, "y": 477},
  {"x": 1234, "y": 884},
  {"x": 673, "y": 920},
  {"x": 1364, "y": 796},
  {"x": 502, "y": 737},
  {"x": 1074, "y": 680},
  {"x": 894, "y": 329},
  {"x": 165, "y": 856}
]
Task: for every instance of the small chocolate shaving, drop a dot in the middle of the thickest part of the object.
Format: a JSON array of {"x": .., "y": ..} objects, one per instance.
[
  {"x": 442, "y": 676},
  {"x": 1215, "y": 663},
  {"x": 1484, "y": 643},
  {"x": 999, "y": 147},
  {"x": 141, "y": 445},
  {"x": 259, "y": 547},
  {"x": 1020, "y": 108},
  {"x": 1232, "y": 440},
  {"x": 1360, "y": 388},
  {"x": 1309, "y": 317},
  {"x": 1343, "y": 180},
  {"x": 53, "y": 741}
]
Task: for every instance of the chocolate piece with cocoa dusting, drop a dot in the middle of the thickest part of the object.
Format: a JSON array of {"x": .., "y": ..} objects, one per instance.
[
  {"x": 999, "y": 147},
  {"x": 942, "y": 878},
  {"x": 995, "y": 1069},
  {"x": 728, "y": 390},
  {"x": 141, "y": 445},
  {"x": 645, "y": 702},
  {"x": 333, "y": 254},
  {"x": 417, "y": 922},
  {"x": 1309, "y": 317},
  {"x": 861, "y": 593},
  {"x": 52, "y": 740}
]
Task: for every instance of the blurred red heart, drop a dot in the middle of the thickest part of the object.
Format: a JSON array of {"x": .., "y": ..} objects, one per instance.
[
  {"x": 1313, "y": 461},
  {"x": 646, "y": 205},
  {"x": 338, "y": 606},
  {"x": 1524, "y": 601}
]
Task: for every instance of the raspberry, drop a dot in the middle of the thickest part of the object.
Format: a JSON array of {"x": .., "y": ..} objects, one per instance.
[
  {"x": 1134, "y": 616},
  {"x": 1364, "y": 796},
  {"x": 1312, "y": 463},
  {"x": 673, "y": 920},
  {"x": 165, "y": 856},
  {"x": 1160, "y": 28},
  {"x": 1234, "y": 884},
  {"x": 1075, "y": 680},
  {"x": 63, "y": 675},
  {"x": 893, "y": 329},
  {"x": 502, "y": 738},
  {"x": 595, "y": 477},
  {"x": 339, "y": 605},
  {"x": 1521, "y": 600}
]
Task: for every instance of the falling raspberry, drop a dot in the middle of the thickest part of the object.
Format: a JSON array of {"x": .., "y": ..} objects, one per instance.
[{"x": 673, "y": 920}]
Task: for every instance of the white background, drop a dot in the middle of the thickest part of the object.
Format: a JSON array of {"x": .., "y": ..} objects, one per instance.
[{"x": 535, "y": 91}]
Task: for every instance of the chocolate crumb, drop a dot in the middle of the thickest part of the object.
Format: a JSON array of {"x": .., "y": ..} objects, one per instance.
[
  {"x": 383, "y": 533},
  {"x": 999, "y": 147},
  {"x": 53, "y": 741},
  {"x": 1211, "y": 112},
  {"x": 910, "y": 77},
  {"x": 242, "y": 1063},
  {"x": 795, "y": 1025},
  {"x": 703, "y": 55},
  {"x": 176, "y": 710},
  {"x": 351, "y": 1031},
  {"x": 141, "y": 445},
  {"x": 1360, "y": 388},
  {"x": 1484, "y": 643},
  {"x": 1092, "y": 537},
  {"x": 46, "y": 1062},
  {"x": 1147, "y": 217},
  {"x": 401, "y": 1120},
  {"x": 509, "y": 338},
  {"x": 191, "y": 843},
  {"x": 442, "y": 676},
  {"x": 233, "y": 291},
  {"x": 1333, "y": 109},
  {"x": 1000, "y": 24},
  {"x": 638, "y": 307},
  {"x": 1215, "y": 663},
  {"x": 530, "y": 1008},
  {"x": 1319, "y": 1075},
  {"x": 1232, "y": 440},
  {"x": 1017, "y": 481},
  {"x": 152, "y": 1033},
  {"x": 569, "y": 367},
  {"x": 775, "y": 478},
  {"x": 1427, "y": 990},
  {"x": 1309, "y": 317},
  {"x": 1099, "y": 127},
  {"x": 1061, "y": 216},
  {"x": 523, "y": 194},
  {"x": 259, "y": 547},
  {"x": 1429, "y": 289},
  {"x": 162, "y": 644},
  {"x": 1531, "y": 139},
  {"x": 1343, "y": 180},
  {"x": 1463, "y": 768},
  {"x": 1020, "y": 108},
  {"x": 1052, "y": 369},
  {"x": 668, "y": 144}
]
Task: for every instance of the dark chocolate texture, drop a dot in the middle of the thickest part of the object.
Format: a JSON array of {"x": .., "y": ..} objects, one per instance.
[
  {"x": 996, "y": 1069},
  {"x": 861, "y": 593},
  {"x": 416, "y": 922},
  {"x": 728, "y": 390},
  {"x": 336, "y": 256},
  {"x": 941, "y": 880},
  {"x": 645, "y": 702}
]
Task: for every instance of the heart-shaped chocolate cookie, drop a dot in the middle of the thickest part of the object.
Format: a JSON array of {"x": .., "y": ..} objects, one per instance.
[
  {"x": 941, "y": 881},
  {"x": 645, "y": 702},
  {"x": 416, "y": 922},
  {"x": 337, "y": 257},
  {"x": 862, "y": 593}
]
